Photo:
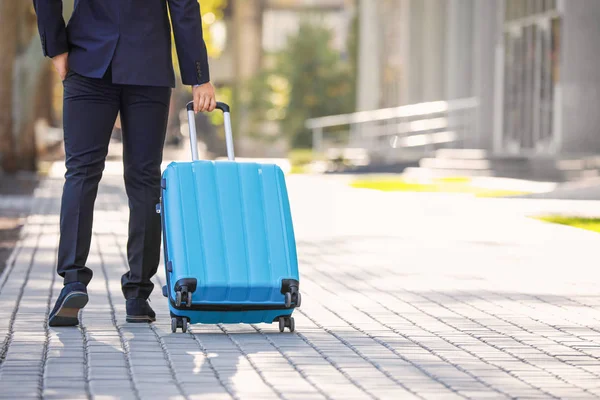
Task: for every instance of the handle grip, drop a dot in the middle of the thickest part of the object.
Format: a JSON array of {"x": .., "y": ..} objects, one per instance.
[
  {"x": 228, "y": 131},
  {"x": 220, "y": 106}
]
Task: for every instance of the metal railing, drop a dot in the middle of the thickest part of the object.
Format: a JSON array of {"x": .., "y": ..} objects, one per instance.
[{"x": 396, "y": 134}]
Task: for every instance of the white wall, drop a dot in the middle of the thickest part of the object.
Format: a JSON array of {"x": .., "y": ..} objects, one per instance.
[
  {"x": 579, "y": 90},
  {"x": 369, "y": 71}
]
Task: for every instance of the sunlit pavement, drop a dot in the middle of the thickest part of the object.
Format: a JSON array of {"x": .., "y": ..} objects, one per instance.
[{"x": 404, "y": 296}]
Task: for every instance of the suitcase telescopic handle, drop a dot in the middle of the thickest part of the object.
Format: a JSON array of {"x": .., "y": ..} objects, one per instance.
[{"x": 228, "y": 131}]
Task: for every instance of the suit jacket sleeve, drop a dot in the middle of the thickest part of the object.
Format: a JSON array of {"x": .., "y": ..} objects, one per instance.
[
  {"x": 189, "y": 41},
  {"x": 51, "y": 26}
]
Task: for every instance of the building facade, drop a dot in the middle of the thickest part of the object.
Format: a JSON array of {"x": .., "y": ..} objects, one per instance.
[{"x": 532, "y": 66}]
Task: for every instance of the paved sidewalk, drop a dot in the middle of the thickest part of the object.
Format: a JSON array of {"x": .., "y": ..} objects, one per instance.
[{"x": 403, "y": 297}]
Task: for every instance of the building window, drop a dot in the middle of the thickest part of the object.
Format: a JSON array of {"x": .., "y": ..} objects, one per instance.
[
  {"x": 519, "y": 9},
  {"x": 531, "y": 38}
]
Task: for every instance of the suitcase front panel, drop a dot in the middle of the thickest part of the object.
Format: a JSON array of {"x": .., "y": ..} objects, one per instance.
[
  {"x": 261, "y": 273},
  {"x": 228, "y": 225},
  {"x": 219, "y": 273},
  {"x": 277, "y": 234},
  {"x": 288, "y": 226}
]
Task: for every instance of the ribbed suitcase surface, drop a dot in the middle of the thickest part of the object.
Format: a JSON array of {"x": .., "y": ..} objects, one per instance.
[{"x": 228, "y": 229}]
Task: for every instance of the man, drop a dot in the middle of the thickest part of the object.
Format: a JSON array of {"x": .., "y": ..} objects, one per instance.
[{"x": 115, "y": 56}]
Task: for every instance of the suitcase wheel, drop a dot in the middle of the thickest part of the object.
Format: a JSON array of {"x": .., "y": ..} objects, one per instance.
[
  {"x": 286, "y": 322},
  {"x": 178, "y": 322},
  {"x": 296, "y": 298},
  {"x": 183, "y": 295}
]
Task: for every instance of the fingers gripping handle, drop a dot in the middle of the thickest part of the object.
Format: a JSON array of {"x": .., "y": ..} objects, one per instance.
[
  {"x": 220, "y": 106},
  {"x": 228, "y": 131}
]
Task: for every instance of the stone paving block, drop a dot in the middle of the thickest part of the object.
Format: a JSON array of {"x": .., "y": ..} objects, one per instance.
[
  {"x": 64, "y": 394},
  {"x": 11, "y": 396},
  {"x": 65, "y": 354},
  {"x": 114, "y": 344},
  {"x": 108, "y": 372},
  {"x": 110, "y": 361},
  {"x": 211, "y": 396},
  {"x": 16, "y": 394},
  {"x": 65, "y": 362},
  {"x": 66, "y": 375},
  {"x": 148, "y": 355},
  {"x": 152, "y": 379},
  {"x": 23, "y": 386},
  {"x": 104, "y": 349},
  {"x": 22, "y": 356},
  {"x": 117, "y": 383},
  {"x": 110, "y": 394}
]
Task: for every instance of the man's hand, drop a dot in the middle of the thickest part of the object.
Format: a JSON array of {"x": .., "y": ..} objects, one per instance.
[
  {"x": 61, "y": 63},
  {"x": 204, "y": 98}
]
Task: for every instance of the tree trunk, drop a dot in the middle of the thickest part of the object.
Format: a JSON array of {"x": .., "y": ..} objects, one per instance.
[
  {"x": 46, "y": 91},
  {"x": 26, "y": 84},
  {"x": 32, "y": 88},
  {"x": 247, "y": 42},
  {"x": 8, "y": 44},
  {"x": 31, "y": 66}
]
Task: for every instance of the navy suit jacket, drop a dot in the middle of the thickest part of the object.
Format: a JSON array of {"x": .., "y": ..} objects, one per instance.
[{"x": 132, "y": 37}]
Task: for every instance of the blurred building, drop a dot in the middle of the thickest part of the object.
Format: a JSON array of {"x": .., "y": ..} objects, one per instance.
[{"x": 530, "y": 67}]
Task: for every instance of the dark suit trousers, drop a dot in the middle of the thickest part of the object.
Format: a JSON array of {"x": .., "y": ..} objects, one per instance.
[{"x": 90, "y": 110}]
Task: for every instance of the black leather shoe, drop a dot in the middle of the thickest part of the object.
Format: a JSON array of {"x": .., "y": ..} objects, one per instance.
[
  {"x": 73, "y": 297},
  {"x": 138, "y": 310}
]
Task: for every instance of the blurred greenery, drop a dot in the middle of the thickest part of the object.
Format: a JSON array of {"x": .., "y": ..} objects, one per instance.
[
  {"x": 319, "y": 82},
  {"x": 211, "y": 11},
  {"x": 309, "y": 78},
  {"x": 301, "y": 156},
  {"x": 590, "y": 224},
  {"x": 442, "y": 185},
  {"x": 300, "y": 159}
]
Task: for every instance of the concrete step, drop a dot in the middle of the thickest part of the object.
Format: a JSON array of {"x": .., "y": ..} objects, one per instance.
[
  {"x": 420, "y": 172},
  {"x": 574, "y": 164},
  {"x": 581, "y": 174},
  {"x": 535, "y": 174},
  {"x": 452, "y": 163},
  {"x": 465, "y": 154},
  {"x": 474, "y": 164}
]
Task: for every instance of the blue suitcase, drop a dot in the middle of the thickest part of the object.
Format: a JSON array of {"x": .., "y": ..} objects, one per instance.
[{"x": 229, "y": 245}]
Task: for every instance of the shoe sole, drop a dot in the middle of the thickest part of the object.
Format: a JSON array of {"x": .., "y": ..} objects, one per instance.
[
  {"x": 138, "y": 319},
  {"x": 67, "y": 314}
]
